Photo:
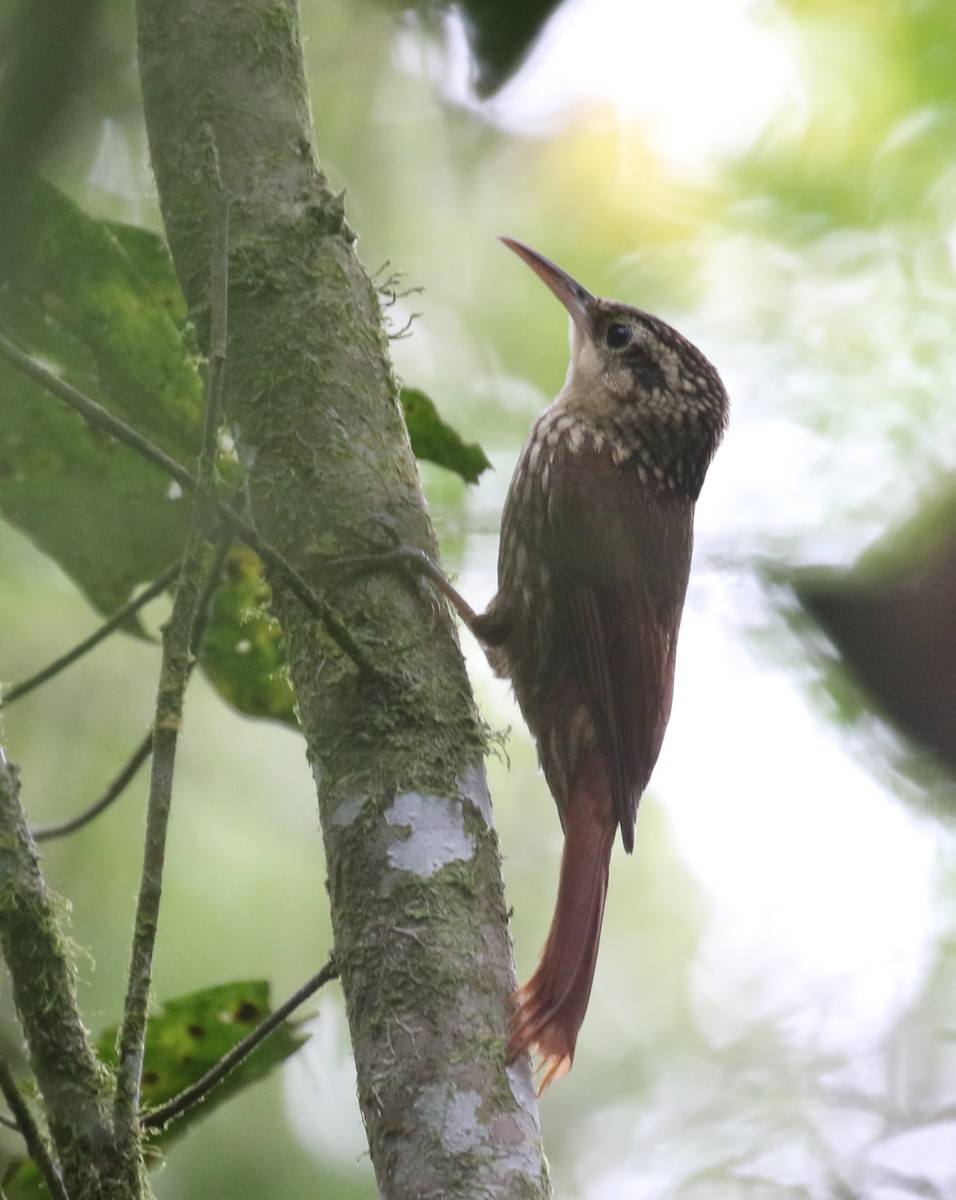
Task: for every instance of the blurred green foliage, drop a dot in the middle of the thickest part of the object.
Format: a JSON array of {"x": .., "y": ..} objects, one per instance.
[
  {"x": 99, "y": 304},
  {"x": 813, "y": 261},
  {"x": 81, "y": 303}
]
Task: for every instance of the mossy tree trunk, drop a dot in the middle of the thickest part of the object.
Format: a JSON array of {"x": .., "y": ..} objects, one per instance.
[{"x": 417, "y": 905}]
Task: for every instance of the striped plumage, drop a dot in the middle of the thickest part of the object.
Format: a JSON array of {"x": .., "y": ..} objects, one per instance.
[{"x": 593, "y": 565}]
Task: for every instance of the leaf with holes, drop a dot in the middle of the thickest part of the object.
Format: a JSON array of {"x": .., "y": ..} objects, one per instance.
[
  {"x": 243, "y": 653},
  {"x": 190, "y": 1034},
  {"x": 183, "y": 1041}
]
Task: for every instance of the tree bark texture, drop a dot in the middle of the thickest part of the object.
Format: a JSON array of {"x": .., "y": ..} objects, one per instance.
[
  {"x": 413, "y": 869},
  {"x": 75, "y": 1088}
]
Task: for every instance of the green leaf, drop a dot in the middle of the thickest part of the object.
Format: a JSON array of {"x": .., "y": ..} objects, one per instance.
[
  {"x": 100, "y": 306},
  {"x": 189, "y": 1035},
  {"x": 183, "y": 1041},
  {"x": 150, "y": 256},
  {"x": 243, "y": 653},
  {"x": 23, "y": 1181},
  {"x": 437, "y": 442}
]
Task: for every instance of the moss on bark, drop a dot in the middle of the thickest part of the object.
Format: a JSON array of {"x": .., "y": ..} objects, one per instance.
[{"x": 414, "y": 876}]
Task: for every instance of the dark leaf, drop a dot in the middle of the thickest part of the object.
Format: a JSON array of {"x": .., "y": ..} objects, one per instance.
[
  {"x": 500, "y": 34},
  {"x": 898, "y": 637},
  {"x": 45, "y": 52},
  {"x": 892, "y": 617}
]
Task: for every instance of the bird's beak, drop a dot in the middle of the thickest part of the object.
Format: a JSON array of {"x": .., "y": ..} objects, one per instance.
[{"x": 576, "y": 299}]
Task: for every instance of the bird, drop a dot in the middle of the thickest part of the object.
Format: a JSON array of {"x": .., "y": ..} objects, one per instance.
[{"x": 593, "y": 565}]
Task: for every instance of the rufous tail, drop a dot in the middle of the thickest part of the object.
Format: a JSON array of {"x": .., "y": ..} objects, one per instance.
[{"x": 551, "y": 1006}]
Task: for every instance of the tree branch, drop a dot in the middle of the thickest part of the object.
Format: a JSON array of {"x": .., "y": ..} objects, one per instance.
[
  {"x": 178, "y": 638},
  {"x": 142, "y": 751},
  {"x": 73, "y": 1085},
  {"x": 33, "y": 1139},
  {"x": 120, "y": 617},
  {"x": 44, "y": 833},
  {"x": 417, "y": 902}
]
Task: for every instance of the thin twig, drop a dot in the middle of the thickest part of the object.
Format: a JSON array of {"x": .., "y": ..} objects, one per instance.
[
  {"x": 97, "y": 415},
  {"x": 174, "y": 675},
  {"x": 203, "y": 613},
  {"x": 335, "y": 626},
  {"x": 45, "y": 833},
  {"x": 32, "y": 1137},
  {"x": 406, "y": 330},
  {"x": 118, "y": 618},
  {"x": 158, "y": 1118},
  {"x": 44, "y": 991},
  {"x": 141, "y": 753}
]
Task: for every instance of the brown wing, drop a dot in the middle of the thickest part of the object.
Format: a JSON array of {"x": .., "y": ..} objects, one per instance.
[{"x": 620, "y": 554}]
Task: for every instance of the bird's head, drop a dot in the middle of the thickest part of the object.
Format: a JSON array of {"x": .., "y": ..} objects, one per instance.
[{"x": 628, "y": 365}]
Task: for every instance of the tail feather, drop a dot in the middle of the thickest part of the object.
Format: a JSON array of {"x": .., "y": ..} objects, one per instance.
[{"x": 550, "y": 1007}]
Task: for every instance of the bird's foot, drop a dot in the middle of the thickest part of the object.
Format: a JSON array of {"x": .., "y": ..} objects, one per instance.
[{"x": 418, "y": 563}]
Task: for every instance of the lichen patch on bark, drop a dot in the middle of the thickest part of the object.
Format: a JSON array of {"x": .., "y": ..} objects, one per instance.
[{"x": 436, "y": 833}]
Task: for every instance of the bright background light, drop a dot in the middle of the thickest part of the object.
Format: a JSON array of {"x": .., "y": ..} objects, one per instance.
[{"x": 701, "y": 79}]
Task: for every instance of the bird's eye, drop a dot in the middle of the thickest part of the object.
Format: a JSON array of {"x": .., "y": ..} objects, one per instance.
[{"x": 617, "y": 335}]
